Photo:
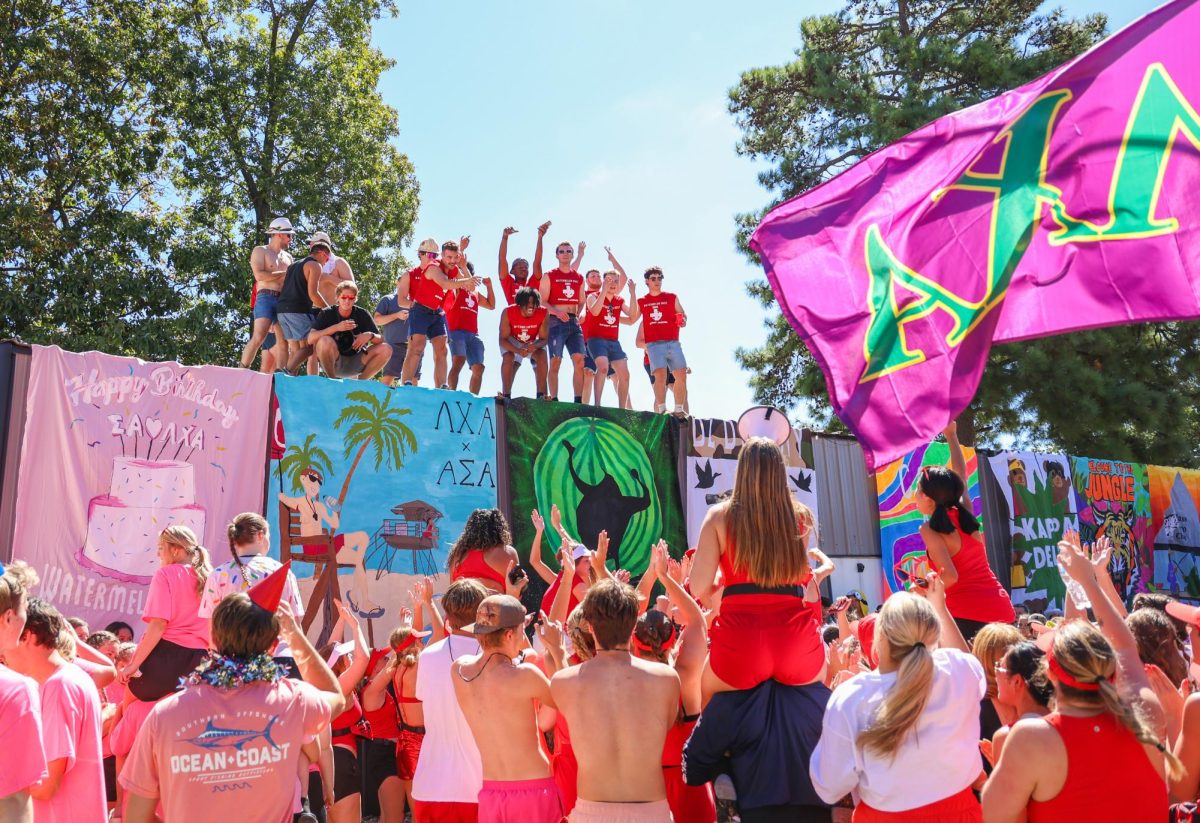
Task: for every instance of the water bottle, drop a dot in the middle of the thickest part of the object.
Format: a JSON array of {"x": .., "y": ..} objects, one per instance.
[{"x": 1074, "y": 589}]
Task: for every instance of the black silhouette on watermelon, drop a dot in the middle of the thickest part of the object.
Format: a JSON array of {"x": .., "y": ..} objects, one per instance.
[{"x": 602, "y": 507}]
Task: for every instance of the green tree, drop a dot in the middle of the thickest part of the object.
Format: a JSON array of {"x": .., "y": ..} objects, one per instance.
[
  {"x": 146, "y": 144},
  {"x": 880, "y": 69},
  {"x": 373, "y": 422},
  {"x": 283, "y": 117},
  {"x": 298, "y": 458}
]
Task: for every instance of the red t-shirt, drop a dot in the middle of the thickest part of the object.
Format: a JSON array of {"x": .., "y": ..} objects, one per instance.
[
  {"x": 565, "y": 287},
  {"x": 525, "y": 328},
  {"x": 607, "y": 323},
  {"x": 462, "y": 311},
  {"x": 659, "y": 320},
  {"x": 510, "y": 285}
]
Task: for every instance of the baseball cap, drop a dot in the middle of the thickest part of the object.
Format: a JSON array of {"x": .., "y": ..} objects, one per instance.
[
  {"x": 580, "y": 551},
  {"x": 281, "y": 225},
  {"x": 497, "y": 613},
  {"x": 429, "y": 244},
  {"x": 320, "y": 237},
  {"x": 1182, "y": 611}
]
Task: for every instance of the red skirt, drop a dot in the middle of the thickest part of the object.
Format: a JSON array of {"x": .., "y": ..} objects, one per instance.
[{"x": 958, "y": 808}]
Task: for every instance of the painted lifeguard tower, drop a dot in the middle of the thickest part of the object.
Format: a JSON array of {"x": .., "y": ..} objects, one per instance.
[{"x": 414, "y": 531}]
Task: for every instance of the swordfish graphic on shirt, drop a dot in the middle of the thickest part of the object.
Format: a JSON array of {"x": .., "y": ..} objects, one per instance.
[{"x": 215, "y": 737}]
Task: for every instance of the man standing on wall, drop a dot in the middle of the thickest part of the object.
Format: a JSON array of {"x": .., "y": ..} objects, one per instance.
[
  {"x": 268, "y": 265},
  {"x": 561, "y": 290}
]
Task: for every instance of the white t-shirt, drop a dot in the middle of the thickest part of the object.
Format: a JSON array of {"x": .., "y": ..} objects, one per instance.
[
  {"x": 939, "y": 757},
  {"x": 449, "y": 769},
  {"x": 227, "y": 579}
]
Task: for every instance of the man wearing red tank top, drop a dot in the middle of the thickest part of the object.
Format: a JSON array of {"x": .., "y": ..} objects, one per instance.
[
  {"x": 562, "y": 293},
  {"x": 426, "y": 286},
  {"x": 524, "y": 333},
  {"x": 606, "y": 312},
  {"x": 462, "y": 318},
  {"x": 662, "y": 318}
]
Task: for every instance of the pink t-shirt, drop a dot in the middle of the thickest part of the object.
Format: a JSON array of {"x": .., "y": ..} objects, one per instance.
[
  {"x": 20, "y": 731},
  {"x": 233, "y": 754},
  {"x": 173, "y": 598},
  {"x": 71, "y": 731}
]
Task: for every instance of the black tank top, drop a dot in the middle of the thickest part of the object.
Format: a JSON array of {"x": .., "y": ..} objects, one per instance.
[{"x": 293, "y": 297}]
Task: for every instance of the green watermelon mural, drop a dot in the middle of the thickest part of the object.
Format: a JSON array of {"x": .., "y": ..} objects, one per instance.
[{"x": 606, "y": 469}]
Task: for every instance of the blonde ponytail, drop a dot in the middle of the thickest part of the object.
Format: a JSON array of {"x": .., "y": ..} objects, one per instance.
[
  {"x": 910, "y": 629},
  {"x": 1086, "y": 655},
  {"x": 197, "y": 555}
]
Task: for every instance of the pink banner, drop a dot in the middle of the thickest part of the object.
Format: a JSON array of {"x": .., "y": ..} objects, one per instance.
[{"x": 117, "y": 449}]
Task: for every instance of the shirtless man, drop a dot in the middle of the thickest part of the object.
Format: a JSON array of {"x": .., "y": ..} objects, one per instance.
[
  {"x": 268, "y": 265},
  {"x": 499, "y": 698},
  {"x": 561, "y": 290},
  {"x": 349, "y": 548},
  {"x": 619, "y": 709},
  {"x": 335, "y": 270}
]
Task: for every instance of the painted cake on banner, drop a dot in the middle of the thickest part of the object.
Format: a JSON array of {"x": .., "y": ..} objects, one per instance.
[
  {"x": 1113, "y": 499},
  {"x": 115, "y": 450},
  {"x": 900, "y": 522},
  {"x": 607, "y": 469},
  {"x": 713, "y": 449},
  {"x": 370, "y": 486},
  {"x": 1175, "y": 524},
  {"x": 1038, "y": 494}
]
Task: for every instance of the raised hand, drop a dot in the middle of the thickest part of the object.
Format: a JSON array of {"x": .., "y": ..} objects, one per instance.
[
  {"x": 509, "y": 231},
  {"x": 346, "y": 614},
  {"x": 582, "y": 247},
  {"x": 1101, "y": 551},
  {"x": 538, "y": 523},
  {"x": 600, "y": 558},
  {"x": 288, "y": 627},
  {"x": 406, "y": 616},
  {"x": 565, "y": 560},
  {"x": 840, "y": 605},
  {"x": 551, "y": 633},
  {"x": 659, "y": 560},
  {"x": 463, "y": 242},
  {"x": 542, "y": 229},
  {"x": 623, "y": 575},
  {"x": 555, "y": 514},
  {"x": 1075, "y": 562},
  {"x": 611, "y": 259}
]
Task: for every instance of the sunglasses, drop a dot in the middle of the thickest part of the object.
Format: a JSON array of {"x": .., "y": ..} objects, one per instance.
[
  {"x": 565, "y": 250},
  {"x": 429, "y": 254},
  {"x": 314, "y": 478},
  {"x": 347, "y": 297}
]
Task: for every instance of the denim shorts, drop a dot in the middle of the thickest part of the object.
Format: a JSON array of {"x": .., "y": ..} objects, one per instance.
[
  {"x": 467, "y": 344},
  {"x": 425, "y": 321},
  {"x": 269, "y": 342},
  {"x": 611, "y": 349},
  {"x": 666, "y": 354},
  {"x": 264, "y": 305},
  {"x": 566, "y": 335},
  {"x": 395, "y": 363},
  {"x": 295, "y": 325}
]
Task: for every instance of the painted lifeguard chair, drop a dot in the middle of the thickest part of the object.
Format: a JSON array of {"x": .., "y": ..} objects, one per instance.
[{"x": 415, "y": 531}]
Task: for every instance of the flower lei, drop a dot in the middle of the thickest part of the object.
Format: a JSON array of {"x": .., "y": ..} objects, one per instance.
[{"x": 234, "y": 672}]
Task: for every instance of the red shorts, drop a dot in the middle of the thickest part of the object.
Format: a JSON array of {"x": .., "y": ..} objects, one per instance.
[
  {"x": 760, "y": 637},
  {"x": 408, "y": 749},
  {"x": 958, "y": 808},
  {"x": 520, "y": 801},
  {"x": 339, "y": 540},
  {"x": 695, "y": 804},
  {"x": 438, "y": 811}
]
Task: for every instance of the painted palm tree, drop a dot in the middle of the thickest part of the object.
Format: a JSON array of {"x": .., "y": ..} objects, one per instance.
[
  {"x": 299, "y": 458},
  {"x": 373, "y": 422}
]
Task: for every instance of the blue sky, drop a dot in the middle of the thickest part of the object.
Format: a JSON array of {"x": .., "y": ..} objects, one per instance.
[{"x": 609, "y": 119}]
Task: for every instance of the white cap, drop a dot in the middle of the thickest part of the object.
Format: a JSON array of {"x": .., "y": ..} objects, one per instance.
[
  {"x": 281, "y": 225},
  {"x": 579, "y": 552},
  {"x": 320, "y": 237}
]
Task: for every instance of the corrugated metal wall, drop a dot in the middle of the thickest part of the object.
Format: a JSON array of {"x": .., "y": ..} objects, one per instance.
[
  {"x": 847, "y": 504},
  {"x": 997, "y": 533}
]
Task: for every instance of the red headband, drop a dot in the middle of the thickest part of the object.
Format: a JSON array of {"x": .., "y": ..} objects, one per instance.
[
  {"x": 647, "y": 648},
  {"x": 1066, "y": 679}
]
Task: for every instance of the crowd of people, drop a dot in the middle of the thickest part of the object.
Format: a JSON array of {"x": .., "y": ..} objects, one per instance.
[
  {"x": 306, "y": 316},
  {"x": 722, "y": 677}
]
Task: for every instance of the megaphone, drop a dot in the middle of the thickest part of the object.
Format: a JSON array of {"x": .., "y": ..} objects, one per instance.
[{"x": 764, "y": 421}]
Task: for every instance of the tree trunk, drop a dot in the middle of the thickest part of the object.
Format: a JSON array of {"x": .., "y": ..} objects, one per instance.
[{"x": 346, "y": 484}]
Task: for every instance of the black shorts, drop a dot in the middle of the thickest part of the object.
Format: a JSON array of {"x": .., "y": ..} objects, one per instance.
[
  {"x": 162, "y": 669},
  {"x": 347, "y": 779},
  {"x": 110, "y": 779},
  {"x": 379, "y": 763},
  {"x": 650, "y": 374}
]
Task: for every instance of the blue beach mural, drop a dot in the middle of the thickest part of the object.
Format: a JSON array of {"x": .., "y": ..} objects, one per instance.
[{"x": 374, "y": 481}]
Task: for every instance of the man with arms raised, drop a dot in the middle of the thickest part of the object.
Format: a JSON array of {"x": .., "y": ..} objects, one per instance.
[
  {"x": 449, "y": 771},
  {"x": 227, "y": 747},
  {"x": 346, "y": 340},
  {"x": 561, "y": 291},
  {"x": 619, "y": 709},
  {"x": 268, "y": 265},
  {"x": 499, "y": 697}
]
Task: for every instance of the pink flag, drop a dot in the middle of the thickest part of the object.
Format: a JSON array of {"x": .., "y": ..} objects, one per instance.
[{"x": 1070, "y": 203}]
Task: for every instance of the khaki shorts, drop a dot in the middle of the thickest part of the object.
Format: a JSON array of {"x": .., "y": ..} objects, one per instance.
[{"x": 589, "y": 811}]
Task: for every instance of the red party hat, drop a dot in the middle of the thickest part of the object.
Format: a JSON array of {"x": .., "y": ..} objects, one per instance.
[{"x": 267, "y": 592}]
